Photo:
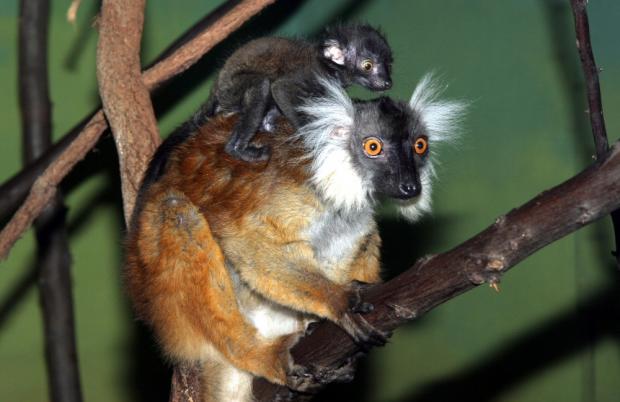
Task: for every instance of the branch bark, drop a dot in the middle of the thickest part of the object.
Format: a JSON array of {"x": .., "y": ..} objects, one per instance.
[
  {"x": 126, "y": 100},
  {"x": 53, "y": 258},
  {"x": 593, "y": 91},
  {"x": 44, "y": 188},
  {"x": 482, "y": 259}
]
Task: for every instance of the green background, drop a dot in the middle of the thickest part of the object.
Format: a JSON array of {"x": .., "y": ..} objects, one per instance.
[{"x": 550, "y": 335}]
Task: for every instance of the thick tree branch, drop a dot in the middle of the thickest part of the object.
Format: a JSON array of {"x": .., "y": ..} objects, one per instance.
[
  {"x": 126, "y": 100},
  {"x": 482, "y": 259},
  {"x": 44, "y": 188},
  {"x": 593, "y": 91},
  {"x": 53, "y": 258}
]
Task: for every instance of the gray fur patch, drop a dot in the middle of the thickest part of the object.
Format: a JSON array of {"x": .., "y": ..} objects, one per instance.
[{"x": 335, "y": 234}]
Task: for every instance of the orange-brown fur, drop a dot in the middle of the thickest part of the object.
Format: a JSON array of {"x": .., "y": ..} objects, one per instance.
[{"x": 209, "y": 210}]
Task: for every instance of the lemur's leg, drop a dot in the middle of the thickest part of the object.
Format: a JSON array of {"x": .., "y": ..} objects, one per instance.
[
  {"x": 286, "y": 95},
  {"x": 291, "y": 278},
  {"x": 183, "y": 289},
  {"x": 253, "y": 108}
]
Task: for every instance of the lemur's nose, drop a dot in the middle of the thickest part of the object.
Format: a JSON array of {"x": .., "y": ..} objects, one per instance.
[
  {"x": 409, "y": 189},
  {"x": 387, "y": 84}
]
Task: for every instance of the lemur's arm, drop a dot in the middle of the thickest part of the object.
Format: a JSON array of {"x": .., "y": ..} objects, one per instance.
[
  {"x": 285, "y": 272},
  {"x": 366, "y": 266}
]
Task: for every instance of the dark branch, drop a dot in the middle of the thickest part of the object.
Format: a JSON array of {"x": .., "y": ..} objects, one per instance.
[
  {"x": 53, "y": 259},
  {"x": 590, "y": 71},
  {"x": 593, "y": 91},
  {"x": 33, "y": 84},
  {"x": 482, "y": 259}
]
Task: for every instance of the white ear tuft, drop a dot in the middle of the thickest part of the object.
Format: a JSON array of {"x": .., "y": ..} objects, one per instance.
[
  {"x": 333, "y": 51},
  {"x": 441, "y": 121},
  {"x": 440, "y": 118},
  {"x": 326, "y": 137}
]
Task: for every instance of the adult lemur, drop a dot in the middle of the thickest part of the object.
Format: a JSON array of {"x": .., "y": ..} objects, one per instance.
[
  {"x": 228, "y": 261},
  {"x": 286, "y": 70}
]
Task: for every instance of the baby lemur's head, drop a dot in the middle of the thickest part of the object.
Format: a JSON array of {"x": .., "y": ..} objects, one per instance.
[
  {"x": 360, "y": 54},
  {"x": 365, "y": 150}
]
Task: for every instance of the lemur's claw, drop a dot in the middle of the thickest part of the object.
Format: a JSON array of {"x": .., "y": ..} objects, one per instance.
[{"x": 363, "y": 333}]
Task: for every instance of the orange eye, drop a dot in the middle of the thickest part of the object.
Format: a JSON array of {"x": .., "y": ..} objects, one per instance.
[
  {"x": 373, "y": 147},
  {"x": 420, "y": 146}
]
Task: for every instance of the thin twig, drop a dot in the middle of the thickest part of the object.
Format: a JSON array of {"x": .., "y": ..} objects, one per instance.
[
  {"x": 53, "y": 258},
  {"x": 590, "y": 71},
  {"x": 482, "y": 259},
  {"x": 44, "y": 187},
  {"x": 593, "y": 91}
]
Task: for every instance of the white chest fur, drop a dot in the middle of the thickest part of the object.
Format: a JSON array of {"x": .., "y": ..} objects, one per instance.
[
  {"x": 272, "y": 320},
  {"x": 335, "y": 236}
]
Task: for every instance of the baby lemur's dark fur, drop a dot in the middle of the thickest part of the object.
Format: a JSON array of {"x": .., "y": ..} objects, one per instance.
[{"x": 271, "y": 75}]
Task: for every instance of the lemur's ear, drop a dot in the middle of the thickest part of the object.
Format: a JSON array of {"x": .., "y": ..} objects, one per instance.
[
  {"x": 341, "y": 132},
  {"x": 441, "y": 118},
  {"x": 333, "y": 51}
]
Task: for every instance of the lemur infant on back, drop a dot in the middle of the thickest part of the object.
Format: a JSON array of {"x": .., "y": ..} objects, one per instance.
[
  {"x": 273, "y": 74},
  {"x": 227, "y": 261}
]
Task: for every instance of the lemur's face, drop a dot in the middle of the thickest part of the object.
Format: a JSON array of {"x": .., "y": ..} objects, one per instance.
[
  {"x": 364, "y": 150},
  {"x": 363, "y": 55},
  {"x": 389, "y": 148},
  {"x": 370, "y": 67}
]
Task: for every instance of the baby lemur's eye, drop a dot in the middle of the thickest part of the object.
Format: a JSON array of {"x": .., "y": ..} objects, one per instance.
[
  {"x": 420, "y": 146},
  {"x": 373, "y": 147},
  {"x": 367, "y": 65}
]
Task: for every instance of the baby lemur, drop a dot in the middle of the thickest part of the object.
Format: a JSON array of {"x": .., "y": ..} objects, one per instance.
[
  {"x": 227, "y": 262},
  {"x": 286, "y": 70}
]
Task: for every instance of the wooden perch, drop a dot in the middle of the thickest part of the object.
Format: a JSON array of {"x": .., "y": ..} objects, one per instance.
[{"x": 482, "y": 259}]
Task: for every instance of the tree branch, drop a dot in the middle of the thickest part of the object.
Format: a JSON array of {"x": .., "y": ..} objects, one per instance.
[
  {"x": 44, "y": 188},
  {"x": 482, "y": 259},
  {"x": 126, "y": 100},
  {"x": 53, "y": 258},
  {"x": 593, "y": 90}
]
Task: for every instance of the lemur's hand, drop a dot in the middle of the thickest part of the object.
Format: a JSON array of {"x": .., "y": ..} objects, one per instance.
[{"x": 362, "y": 332}]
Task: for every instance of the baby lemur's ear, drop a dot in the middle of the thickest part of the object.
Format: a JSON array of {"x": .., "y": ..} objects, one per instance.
[{"x": 333, "y": 51}]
